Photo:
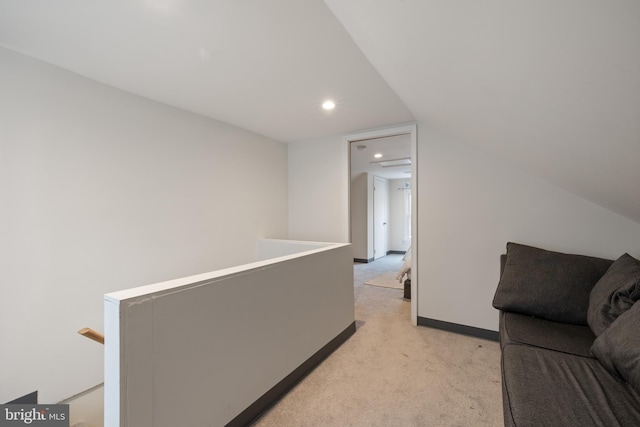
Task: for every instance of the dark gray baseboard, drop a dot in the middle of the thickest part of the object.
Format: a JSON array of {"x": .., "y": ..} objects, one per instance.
[
  {"x": 396, "y": 252},
  {"x": 363, "y": 260},
  {"x": 272, "y": 396},
  {"x": 459, "y": 329},
  {"x": 27, "y": 399}
]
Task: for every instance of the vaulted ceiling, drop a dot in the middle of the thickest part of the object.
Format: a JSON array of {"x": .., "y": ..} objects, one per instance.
[
  {"x": 264, "y": 65},
  {"x": 550, "y": 86}
]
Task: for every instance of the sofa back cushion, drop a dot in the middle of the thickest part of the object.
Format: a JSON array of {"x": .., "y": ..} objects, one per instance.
[
  {"x": 618, "y": 347},
  {"x": 614, "y": 293},
  {"x": 547, "y": 284}
]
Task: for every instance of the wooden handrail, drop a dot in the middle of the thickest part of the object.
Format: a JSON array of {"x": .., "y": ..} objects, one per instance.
[{"x": 92, "y": 334}]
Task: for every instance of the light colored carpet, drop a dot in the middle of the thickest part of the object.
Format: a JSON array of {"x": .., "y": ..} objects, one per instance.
[
  {"x": 387, "y": 280},
  {"x": 391, "y": 373}
]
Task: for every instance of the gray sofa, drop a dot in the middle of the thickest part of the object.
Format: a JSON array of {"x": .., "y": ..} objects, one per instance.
[{"x": 570, "y": 339}]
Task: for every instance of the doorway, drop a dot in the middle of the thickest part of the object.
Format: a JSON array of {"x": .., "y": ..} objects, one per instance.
[{"x": 383, "y": 166}]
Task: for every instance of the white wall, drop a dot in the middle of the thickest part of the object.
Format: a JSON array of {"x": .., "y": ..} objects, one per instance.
[
  {"x": 362, "y": 216},
  {"x": 396, "y": 214},
  {"x": 275, "y": 248},
  {"x": 102, "y": 190},
  {"x": 220, "y": 341},
  {"x": 359, "y": 213},
  {"x": 87, "y": 408},
  {"x": 319, "y": 190},
  {"x": 471, "y": 204}
]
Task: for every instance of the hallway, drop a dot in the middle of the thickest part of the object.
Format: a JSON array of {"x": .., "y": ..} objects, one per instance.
[{"x": 391, "y": 373}]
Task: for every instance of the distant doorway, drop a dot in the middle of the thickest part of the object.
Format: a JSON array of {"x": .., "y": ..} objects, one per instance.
[{"x": 370, "y": 227}]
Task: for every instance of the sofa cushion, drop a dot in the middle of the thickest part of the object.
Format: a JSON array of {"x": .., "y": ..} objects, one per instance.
[
  {"x": 528, "y": 330},
  {"x": 546, "y": 284},
  {"x": 618, "y": 347},
  {"x": 544, "y": 387},
  {"x": 614, "y": 293}
]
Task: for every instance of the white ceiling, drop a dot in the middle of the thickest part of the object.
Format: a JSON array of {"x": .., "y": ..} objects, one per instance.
[
  {"x": 391, "y": 148},
  {"x": 264, "y": 65},
  {"x": 550, "y": 86}
]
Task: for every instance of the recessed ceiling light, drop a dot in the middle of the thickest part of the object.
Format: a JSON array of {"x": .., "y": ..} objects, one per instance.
[
  {"x": 377, "y": 155},
  {"x": 328, "y": 105}
]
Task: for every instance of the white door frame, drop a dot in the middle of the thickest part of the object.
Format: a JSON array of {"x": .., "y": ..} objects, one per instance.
[{"x": 410, "y": 129}]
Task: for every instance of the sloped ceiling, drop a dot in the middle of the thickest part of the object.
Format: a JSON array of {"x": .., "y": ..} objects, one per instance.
[
  {"x": 550, "y": 86},
  {"x": 264, "y": 65}
]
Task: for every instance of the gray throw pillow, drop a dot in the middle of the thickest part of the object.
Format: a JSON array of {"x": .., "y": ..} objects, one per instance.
[
  {"x": 618, "y": 347},
  {"x": 546, "y": 284},
  {"x": 614, "y": 293}
]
